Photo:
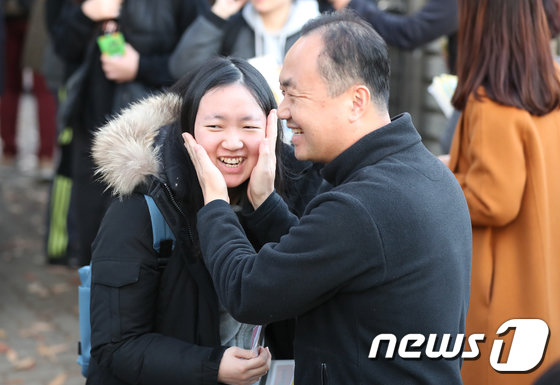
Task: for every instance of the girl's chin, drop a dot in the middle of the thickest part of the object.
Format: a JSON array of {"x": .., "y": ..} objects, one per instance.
[{"x": 235, "y": 183}]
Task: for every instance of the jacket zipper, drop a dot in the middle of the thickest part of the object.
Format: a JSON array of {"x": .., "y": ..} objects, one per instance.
[
  {"x": 324, "y": 376},
  {"x": 176, "y": 205}
]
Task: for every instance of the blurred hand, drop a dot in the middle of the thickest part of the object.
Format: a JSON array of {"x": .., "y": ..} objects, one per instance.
[
  {"x": 261, "y": 182},
  {"x": 339, "y": 4},
  {"x": 123, "y": 68},
  {"x": 211, "y": 180},
  {"x": 242, "y": 367},
  {"x": 444, "y": 159},
  {"x": 227, "y": 8},
  {"x": 98, "y": 10}
]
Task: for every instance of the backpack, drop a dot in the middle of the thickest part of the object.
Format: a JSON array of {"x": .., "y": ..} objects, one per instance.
[{"x": 164, "y": 242}]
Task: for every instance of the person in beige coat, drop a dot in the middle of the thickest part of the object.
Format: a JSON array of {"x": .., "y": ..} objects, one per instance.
[{"x": 505, "y": 154}]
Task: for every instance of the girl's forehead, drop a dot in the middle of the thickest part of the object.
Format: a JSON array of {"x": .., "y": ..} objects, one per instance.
[{"x": 230, "y": 99}]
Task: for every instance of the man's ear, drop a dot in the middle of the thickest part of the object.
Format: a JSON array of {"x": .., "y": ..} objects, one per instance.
[{"x": 361, "y": 99}]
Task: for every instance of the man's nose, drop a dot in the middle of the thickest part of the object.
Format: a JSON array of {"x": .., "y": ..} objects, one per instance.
[{"x": 283, "y": 111}]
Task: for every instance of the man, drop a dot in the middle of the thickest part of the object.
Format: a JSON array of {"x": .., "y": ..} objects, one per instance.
[{"x": 386, "y": 250}]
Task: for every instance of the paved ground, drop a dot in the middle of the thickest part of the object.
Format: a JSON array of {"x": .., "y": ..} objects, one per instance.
[{"x": 38, "y": 302}]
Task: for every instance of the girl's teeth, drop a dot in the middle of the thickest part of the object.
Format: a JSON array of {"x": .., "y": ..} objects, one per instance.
[
  {"x": 231, "y": 162},
  {"x": 297, "y": 131}
]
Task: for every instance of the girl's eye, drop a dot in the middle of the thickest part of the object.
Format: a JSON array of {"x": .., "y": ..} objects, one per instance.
[{"x": 251, "y": 127}]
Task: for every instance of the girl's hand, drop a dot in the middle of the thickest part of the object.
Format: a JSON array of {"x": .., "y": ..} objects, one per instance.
[
  {"x": 261, "y": 182},
  {"x": 211, "y": 180},
  {"x": 242, "y": 367}
]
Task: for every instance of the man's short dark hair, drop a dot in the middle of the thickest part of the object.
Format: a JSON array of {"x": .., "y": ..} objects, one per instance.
[{"x": 353, "y": 53}]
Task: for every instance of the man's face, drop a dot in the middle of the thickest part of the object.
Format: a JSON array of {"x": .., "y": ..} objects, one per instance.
[{"x": 316, "y": 119}]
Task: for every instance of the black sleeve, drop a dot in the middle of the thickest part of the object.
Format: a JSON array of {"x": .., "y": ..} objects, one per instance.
[
  {"x": 269, "y": 222},
  {"x": 72, "y": 33},
  {"x": 153, "y": 70},
  {"x": 53, "y": 9},
  {"x": 437, "y": 18},
  {"x": 304, "y": 269},
  {"x": 125, "y": 283}
]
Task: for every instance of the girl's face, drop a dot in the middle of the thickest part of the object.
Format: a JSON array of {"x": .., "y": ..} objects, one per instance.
[{"x": 230, "y": 125}]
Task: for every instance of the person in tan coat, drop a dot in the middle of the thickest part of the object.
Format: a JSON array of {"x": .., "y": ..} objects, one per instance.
[{"x": 505, "y": 154}]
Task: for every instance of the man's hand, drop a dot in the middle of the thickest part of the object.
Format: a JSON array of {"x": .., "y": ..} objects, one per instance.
[
  {"x": 242, "y": 367},
  {"x": 211, "y": 180},
  {"x": 227, "y": 8},
  {"x": 261, "y": 182},
  {"x": 98, "y": 10},
  {"x": 123, "y": 68},
  {"x": 339, "y": 4}
]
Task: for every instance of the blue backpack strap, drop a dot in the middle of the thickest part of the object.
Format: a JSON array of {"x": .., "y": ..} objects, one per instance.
[
  {"x": 160, "y": 229},
  {"x": 164, "y": 242},
  {"x": 84, "y": 345}
]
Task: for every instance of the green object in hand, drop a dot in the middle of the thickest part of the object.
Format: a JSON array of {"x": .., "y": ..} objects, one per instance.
[{"x": 111, "y": 43}]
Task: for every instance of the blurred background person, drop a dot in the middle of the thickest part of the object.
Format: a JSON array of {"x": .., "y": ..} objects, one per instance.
[
  {"x": 244, "y": 29},
  {"x": 435, "y": 19},
  {"x": 552, "y": 10},
  {"x": 2, "y": 48},
  {"x": 99, "y": 85},
  {"x": 505, "y": 156},
  {"x": 20, "y": 34}
]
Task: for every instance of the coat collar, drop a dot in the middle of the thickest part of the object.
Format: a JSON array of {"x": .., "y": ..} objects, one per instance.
[{"x": 387, "y": 140}]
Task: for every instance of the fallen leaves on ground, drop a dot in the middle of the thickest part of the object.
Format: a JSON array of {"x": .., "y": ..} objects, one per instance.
[
  {"x": 17, "y": 363},
  {"x": 14, "y": 381},
  {"x": 38, "y": 289},
  {"x": 59, "y": 288},
  {"x": 51, "y": 351},
  {"x": 26, "y": 363},
  {"x": 36, "y": 329},
  {"x": 59, "y": 380},
  {"x": 4, "y": 348}
]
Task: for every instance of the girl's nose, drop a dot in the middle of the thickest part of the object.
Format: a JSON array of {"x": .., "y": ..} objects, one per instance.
[{"x": 232, "y": 141}]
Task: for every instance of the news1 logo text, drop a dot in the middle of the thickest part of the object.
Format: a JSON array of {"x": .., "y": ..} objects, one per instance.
[{"x": 526, "y": 352}]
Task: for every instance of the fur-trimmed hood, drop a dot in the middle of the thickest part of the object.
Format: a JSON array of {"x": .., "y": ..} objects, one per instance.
[{"x": 123, "y": 149}]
